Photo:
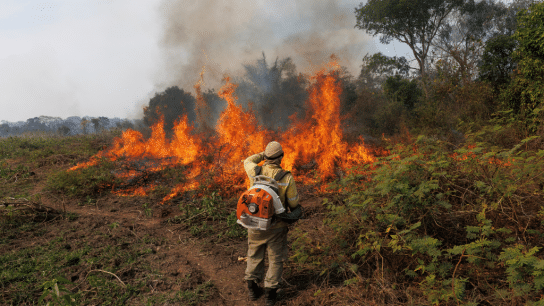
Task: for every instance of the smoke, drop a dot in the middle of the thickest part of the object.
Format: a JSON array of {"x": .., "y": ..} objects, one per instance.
[{"x": 226, "y": 35}]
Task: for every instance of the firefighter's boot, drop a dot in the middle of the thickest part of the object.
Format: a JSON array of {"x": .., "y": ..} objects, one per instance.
[
  {"x": 255, "y": 291},
  {"x": 270, "y": 296}
]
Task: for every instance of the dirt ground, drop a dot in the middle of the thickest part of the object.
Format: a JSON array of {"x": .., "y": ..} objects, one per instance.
[{"x": 174, "y": 253}]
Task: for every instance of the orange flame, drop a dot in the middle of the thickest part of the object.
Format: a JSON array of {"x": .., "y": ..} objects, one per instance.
[
  {"x": 316, "y": 140},
  {"x": 321, "y": 138}
]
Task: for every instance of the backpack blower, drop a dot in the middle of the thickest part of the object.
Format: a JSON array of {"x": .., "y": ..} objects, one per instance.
[{"x": 258, "y": 205}]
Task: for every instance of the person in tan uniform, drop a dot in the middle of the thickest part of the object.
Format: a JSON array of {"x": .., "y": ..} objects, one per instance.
[{"x": 274, "y": 239}]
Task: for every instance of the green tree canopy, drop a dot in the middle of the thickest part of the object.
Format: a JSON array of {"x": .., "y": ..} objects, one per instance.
[
  {"x": 405, "y": 91},
  {"x": 413, "y": 22},
  {"x": 378, "y": 67},
  {"x": 497, "y": 63},
  {"x": 525, "y": 93},
  {"x": 460, "y": 40},
  {"x": 173, "y": 104}
]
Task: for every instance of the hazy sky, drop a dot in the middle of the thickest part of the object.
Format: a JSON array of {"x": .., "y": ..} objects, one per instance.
[{"x": 108, "y": 57}]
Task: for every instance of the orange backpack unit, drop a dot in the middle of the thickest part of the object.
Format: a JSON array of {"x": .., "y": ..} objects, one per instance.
[{"x": 258, "y": 205}]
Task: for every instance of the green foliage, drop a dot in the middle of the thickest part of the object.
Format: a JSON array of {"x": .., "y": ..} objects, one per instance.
[
  {"x": 27, "y": 269},
  {"x": 414, "y": 23},
  {"x": 442, "y": 218},
  {"x": 195, "y": 297},
  {"x": 36, "y": 148},
  {"x": 525, "y": 270},
  {"x": 405, "y": 91},
  {"x": 84, "y": 181},
  {"x": 17, "y": 223},
  {"x": 523, "y": 97},
  {"x": 148, "y": 211},
  {"x": 451, "y": 102},
  {"x": 377, "y": 68},
  {"x": 190, "y": 294},
  {"x": 59, "y": 295},
  {"x": 209, "y": 214},
  {"x": 497, "y": 63},
  {"x": 28, "y": 273},
  {"x": 8, "y": 174}
]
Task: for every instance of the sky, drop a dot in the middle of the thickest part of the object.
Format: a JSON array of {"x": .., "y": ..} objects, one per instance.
[{"x": 107, "y": 58}]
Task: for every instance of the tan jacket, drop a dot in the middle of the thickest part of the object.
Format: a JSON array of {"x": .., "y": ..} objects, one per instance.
[{"x": 287, "y": 188}]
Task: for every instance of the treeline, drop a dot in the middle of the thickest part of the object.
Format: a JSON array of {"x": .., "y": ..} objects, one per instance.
[
  {"x": 474, "y": 61},
  {"x": 65, "y": 127}
]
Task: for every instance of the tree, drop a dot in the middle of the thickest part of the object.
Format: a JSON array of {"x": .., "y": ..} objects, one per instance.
[
  {"x": 460, "y": 41},
  {"x": 4, "y": 129},
  {"x": 525, "y": 93},
  {"x": 63, "y": 130},
  {"x": 405, "y": 91},
  {"x": 276, "y": 91},
  {"x": 413, "y": 22},
  {"x": 496, "y": 64},
  {"x": 96, "y": 124},
  {"x": 84, "y": 124},
  {"x": 377, "y": 68},
  {"x": 172, "y": 104}
]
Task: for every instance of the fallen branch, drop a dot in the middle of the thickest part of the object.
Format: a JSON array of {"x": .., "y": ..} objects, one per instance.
[{"x": 98, "y": 270}]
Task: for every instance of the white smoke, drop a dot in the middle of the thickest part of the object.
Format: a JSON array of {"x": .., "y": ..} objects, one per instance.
[{"x": 224, "y": 35}]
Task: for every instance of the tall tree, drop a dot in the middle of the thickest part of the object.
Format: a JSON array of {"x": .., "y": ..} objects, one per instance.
[
  {"x": 413, "y": 22},
  {"x": 377, "y": 68},
  {"x": 461, "y": 39},
  {"x": 172, "y": 104},
  {"x": 525, "y": 93}
]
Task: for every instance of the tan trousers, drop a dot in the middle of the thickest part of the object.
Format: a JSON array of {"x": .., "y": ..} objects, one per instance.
[{"x": 275, "y": 240}]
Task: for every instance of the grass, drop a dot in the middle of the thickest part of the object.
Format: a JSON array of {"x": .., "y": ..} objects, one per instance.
[
  {"x": 26, "y": 221},
  {"x": 23, "y": 159},
  {"x": 88, "y": 263},
  {"x": 210, "y": 215},
  {"x": 85, "y": 182},
  {"x": 35, "y": 148},
  {"x": 189, "y": 294}
]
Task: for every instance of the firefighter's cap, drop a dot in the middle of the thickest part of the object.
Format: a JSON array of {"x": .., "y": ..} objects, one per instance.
[{"x": 273, "y": 150}]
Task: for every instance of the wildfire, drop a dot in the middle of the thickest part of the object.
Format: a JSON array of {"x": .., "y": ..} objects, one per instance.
[
  {"x": 320, "y": 139},
  {"x": 135, "y": 191},
  {"x": 316, "y": 141}
]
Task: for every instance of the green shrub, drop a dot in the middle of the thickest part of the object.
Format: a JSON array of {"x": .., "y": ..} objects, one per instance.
[
  {"x": 522, "y": 99},
  {"x": 440, "y": 220}
]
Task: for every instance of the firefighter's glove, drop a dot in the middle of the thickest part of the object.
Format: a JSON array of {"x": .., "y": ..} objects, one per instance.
[{"x": 292, "y": 217}]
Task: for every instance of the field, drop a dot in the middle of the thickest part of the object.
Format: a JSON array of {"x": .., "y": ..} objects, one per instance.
[
  {"x": 101, "y": 248},
  {"x": 419, "y": 226}
]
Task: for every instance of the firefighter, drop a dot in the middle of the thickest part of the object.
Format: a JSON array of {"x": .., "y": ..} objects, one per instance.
[{"x": 274, "y": 239}]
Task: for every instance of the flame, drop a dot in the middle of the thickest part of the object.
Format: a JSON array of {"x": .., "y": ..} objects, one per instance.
[
  {"x": 317, "y": 140},
  {"x": 141, "y": 191},
  {"x": 321, "y": 138},
  {"x": 238, "y": 130}
]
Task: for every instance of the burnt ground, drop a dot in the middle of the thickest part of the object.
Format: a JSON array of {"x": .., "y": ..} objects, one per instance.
[{"x": 170, "y": 259}]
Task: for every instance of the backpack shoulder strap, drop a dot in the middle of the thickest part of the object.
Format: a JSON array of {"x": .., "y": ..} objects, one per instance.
[{"x": 280, "y": 175}]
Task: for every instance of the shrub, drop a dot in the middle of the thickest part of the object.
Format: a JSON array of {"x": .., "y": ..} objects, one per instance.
[{"x": 453, "y": 223}]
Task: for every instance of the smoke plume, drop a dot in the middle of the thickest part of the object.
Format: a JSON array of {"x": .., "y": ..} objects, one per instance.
[{"x": 225, "y": 35}]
